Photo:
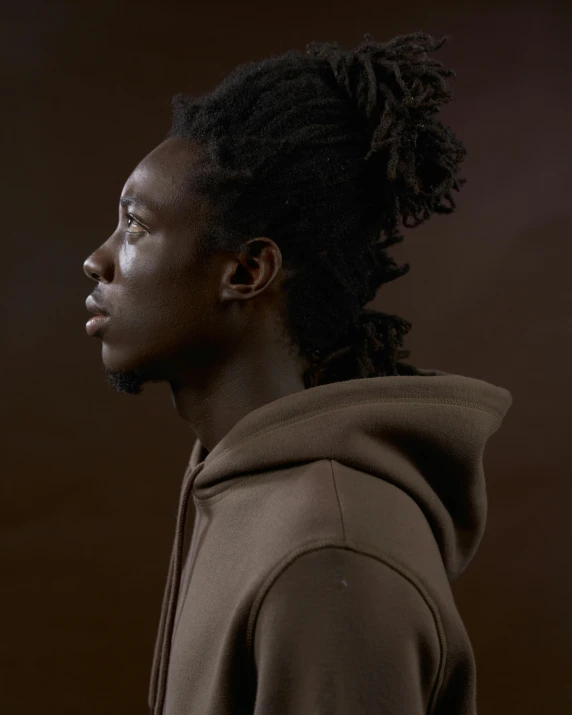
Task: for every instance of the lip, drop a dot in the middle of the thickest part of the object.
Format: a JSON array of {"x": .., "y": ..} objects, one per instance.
[
  {"x": 94, "y": 307},
  {"x": 95, "y": 324}
]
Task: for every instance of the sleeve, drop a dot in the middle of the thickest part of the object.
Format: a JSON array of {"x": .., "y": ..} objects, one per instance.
[{"x": 343, "y": 633}]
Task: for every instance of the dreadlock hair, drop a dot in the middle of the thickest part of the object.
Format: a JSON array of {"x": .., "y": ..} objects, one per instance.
[{"x": 325, "y": 151}]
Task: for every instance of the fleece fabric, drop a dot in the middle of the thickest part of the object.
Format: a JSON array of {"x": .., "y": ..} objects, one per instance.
[{"x": 313, "y": 575}]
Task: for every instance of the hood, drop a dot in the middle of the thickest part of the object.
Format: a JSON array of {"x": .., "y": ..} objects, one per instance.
[{"x": 424, "y": 433}]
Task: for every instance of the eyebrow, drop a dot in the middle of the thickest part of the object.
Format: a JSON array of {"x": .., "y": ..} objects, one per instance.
[{"x": 131, "y": 201}]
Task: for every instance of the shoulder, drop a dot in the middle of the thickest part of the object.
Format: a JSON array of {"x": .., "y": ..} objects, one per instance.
[{"x": 354, "y": 613}]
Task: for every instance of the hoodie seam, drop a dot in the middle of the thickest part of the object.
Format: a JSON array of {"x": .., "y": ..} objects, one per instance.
[
  {"x": 310, "y": 415},
  {"x": 384, "y": 559},
  {"x": 338, "y": 501}
]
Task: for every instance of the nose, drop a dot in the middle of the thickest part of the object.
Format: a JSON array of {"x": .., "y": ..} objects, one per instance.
[{"x": 90, "y": 269}]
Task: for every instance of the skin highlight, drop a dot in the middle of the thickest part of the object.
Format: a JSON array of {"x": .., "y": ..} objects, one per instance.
[{"x": 214, "y": 330}]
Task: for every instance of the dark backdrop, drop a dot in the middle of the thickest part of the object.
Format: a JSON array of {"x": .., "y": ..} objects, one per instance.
[{"x": 91, "y": 478}]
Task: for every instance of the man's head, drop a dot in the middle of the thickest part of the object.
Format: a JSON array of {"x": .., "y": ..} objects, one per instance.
[{"x": 273, "y": 192}]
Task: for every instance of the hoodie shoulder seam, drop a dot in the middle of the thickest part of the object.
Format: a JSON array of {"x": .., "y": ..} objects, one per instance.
[{"x": 338, "y": 500}]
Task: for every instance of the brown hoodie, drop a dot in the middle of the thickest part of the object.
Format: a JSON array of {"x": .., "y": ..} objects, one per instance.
[{"x": 328, "y": 526}]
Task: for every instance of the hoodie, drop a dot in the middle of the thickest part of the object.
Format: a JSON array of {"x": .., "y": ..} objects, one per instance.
[{"x": 314, "y": 575}]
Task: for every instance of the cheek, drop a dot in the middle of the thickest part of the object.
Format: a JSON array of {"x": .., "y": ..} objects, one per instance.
[
  {"x": 184, "y": 308},
  {"x": 179, "y": 295}
]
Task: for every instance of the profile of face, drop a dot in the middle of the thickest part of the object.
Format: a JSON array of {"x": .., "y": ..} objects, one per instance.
[{"x": 160, "y": 297}]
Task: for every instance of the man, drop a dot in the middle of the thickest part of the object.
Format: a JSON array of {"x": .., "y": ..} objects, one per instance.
[{"x": 337, "y": 491}]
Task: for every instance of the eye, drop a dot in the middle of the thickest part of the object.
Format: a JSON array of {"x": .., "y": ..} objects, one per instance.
[
  {"x": 130, "y": 221},
  {"x": 131, "y": 218}
]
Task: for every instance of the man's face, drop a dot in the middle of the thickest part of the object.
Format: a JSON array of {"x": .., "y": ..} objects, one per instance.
[{"x": 160, "y": 297}]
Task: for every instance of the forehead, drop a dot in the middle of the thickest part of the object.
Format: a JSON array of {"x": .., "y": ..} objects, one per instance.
[{"x": 161, "y": 177}]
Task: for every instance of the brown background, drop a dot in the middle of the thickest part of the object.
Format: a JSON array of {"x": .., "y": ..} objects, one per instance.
[{"x": 91, "y": 478}]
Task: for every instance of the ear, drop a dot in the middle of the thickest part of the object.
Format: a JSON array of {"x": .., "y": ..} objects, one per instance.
[{"x": 252, "y": 271}]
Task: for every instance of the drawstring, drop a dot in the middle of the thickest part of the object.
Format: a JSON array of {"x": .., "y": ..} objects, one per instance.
[
  {"x": 160, "y": 636},
  {"x": 165, "y": 634}
]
